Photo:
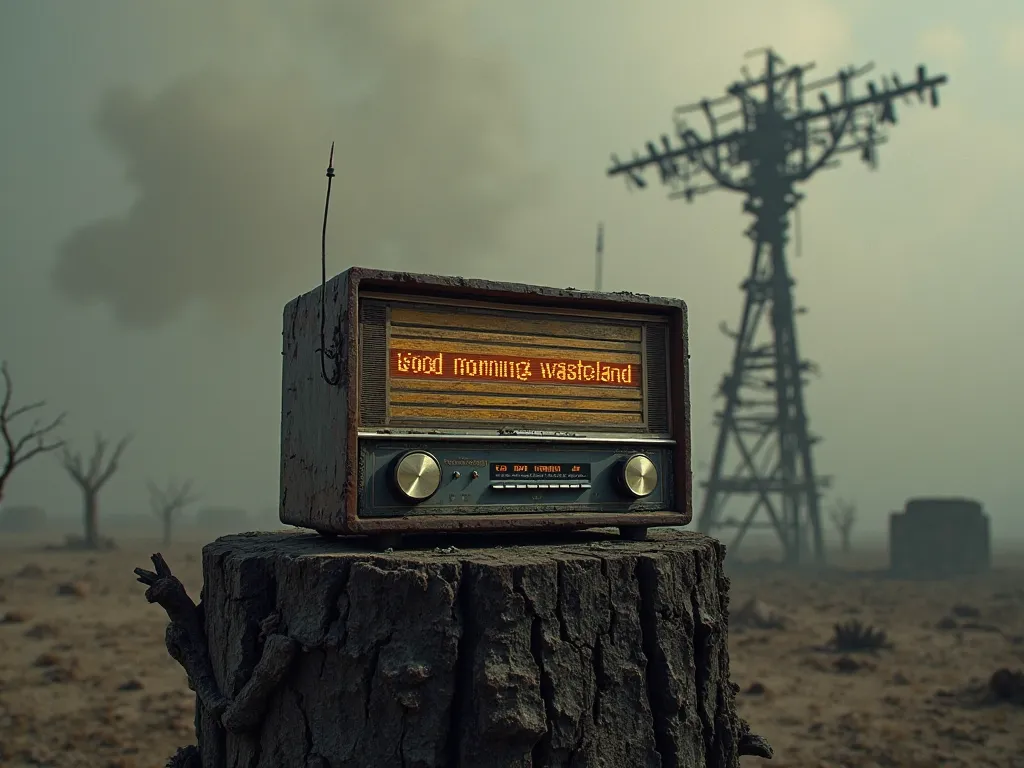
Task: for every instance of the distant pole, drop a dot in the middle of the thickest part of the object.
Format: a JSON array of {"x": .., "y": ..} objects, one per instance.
[{"x": 599, "y": 257}]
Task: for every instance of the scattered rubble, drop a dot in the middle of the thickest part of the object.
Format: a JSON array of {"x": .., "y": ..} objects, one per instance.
[
  {"x": 73, "y": 589},
  {"x": 41, "y": 631},
  {"x": 30, "y": 571},
  {"x": 964, "y": 611}
]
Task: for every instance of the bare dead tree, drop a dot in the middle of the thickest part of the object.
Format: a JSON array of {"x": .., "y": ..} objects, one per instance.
[
  {"x": 36, "y": 440},
  {"x": 844, "y": 515},
  {"x": 90, "y": 477},
  {"x": 168, "y": 502}
]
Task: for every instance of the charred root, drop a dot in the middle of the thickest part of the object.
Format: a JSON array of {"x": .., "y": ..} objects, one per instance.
[
  {"x": 186, "y": 644},
  {"x": 186, "y": 757},
  {"x": 752, "y": 745},
  {"x": 856, "y": 637}
]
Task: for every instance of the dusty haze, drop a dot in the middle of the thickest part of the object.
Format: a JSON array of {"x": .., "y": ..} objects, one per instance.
[
  {"x": 431, "y": 160},
  {"x": 161, "y": 191}
]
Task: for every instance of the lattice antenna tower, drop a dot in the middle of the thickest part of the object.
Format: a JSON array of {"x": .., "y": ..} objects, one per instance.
[{"x": 765, "y": 137}]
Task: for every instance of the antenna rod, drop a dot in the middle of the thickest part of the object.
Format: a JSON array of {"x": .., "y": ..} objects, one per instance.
[
  {"x": 599, "y": 258},
  {"x": 325, "y": 353}
]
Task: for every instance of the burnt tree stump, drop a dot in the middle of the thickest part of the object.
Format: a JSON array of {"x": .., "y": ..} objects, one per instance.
[{"x": 589, "y": 651}]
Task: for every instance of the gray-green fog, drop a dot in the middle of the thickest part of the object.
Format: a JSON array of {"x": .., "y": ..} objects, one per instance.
[{"x": 161, "y": 183}]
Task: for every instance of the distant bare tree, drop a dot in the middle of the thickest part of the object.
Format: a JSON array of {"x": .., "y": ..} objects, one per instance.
[
  {"x": 844, "y": 515},
  {"x": 168, "y": 502},
  {"x": 33, "y": 442},
  {"x": 91, "y": 477}
]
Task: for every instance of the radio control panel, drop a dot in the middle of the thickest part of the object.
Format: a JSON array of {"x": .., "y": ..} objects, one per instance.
[{"x": 406, "y": 477}]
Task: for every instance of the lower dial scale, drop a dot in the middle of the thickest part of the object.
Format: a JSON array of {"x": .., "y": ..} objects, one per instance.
[{"x": 417, "y": 476}]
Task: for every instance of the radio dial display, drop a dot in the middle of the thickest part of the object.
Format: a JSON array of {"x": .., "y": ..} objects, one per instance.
[{"x": 544, "y": 473}]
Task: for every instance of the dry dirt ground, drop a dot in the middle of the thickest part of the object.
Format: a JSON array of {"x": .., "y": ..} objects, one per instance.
[{"x": 85, "y": 679}]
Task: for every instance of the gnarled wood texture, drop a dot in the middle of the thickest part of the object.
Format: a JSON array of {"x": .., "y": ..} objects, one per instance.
[{"x": 590, "y": 651}]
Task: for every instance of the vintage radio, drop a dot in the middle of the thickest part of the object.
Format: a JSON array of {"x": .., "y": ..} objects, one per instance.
[{"x": 414, "y": 403}]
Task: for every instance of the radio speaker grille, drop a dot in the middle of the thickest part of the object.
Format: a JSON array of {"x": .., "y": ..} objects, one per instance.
[
  {"x": 373, "y": 352},
  {"x": 657, "y": 378}
]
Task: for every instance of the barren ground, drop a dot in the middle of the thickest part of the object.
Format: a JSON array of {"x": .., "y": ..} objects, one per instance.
[{"x": 85, "y": 679}]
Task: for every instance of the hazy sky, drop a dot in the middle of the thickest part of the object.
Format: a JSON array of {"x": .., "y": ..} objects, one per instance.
[{"x": 161, "y": 185}]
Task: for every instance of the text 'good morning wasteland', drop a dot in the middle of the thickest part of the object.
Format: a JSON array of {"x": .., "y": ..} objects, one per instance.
[{"x": 540, "y": 370}]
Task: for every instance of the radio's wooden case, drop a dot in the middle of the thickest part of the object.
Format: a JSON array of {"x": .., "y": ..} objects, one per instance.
[{"x": 457, "y": 404}]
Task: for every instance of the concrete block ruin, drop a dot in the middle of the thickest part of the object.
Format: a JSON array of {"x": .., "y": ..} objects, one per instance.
[{"x": 939, "y": 538}]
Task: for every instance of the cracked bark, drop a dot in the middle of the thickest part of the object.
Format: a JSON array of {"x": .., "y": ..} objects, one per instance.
[{"x": 597, "y": 653}]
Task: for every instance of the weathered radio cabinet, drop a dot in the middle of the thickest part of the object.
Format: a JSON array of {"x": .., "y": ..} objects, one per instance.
[{"x": 457, "y": 405}]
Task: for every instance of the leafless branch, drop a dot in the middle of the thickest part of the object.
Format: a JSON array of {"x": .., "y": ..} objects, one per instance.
[
  {"x": 172, "y": 499},
  {"x": 843, "y": 514},
  {"x": 33, "y": 442},
  {"x": 94, "y": 474}
]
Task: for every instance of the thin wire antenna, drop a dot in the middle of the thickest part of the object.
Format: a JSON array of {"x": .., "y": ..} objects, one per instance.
[
  {"x": 324, "y": 352},
  {"x": 599, "y": 258}
]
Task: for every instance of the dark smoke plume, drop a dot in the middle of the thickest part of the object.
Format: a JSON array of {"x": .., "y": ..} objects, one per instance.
[{"x": 228, "y": 162}]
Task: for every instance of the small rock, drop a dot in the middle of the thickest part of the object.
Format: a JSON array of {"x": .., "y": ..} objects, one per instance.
[
  {"x": 46, "y": 660},
  {"x": 899, "y": 679},
  {"x": 13, "y": 617},
  {"x": 756, "y": 689},
  {"x": 61, "y": 671},
  {"x": 30, "y": 571},
  {"x": 846, "y": 665},
  {"x": 73, "y": 589},
  {"x": 130, "y": 685},
  {"x": 41, "y": 632},
  {"x": 1007, "y": 685},
  {"x": 946, "y": 622},
  {"x": 59, "y": 675}
]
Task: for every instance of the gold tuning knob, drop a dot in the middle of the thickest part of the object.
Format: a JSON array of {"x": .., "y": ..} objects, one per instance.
[
  {"x": 417, "y": 475},
  {"x": 639, "y": 476}
]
